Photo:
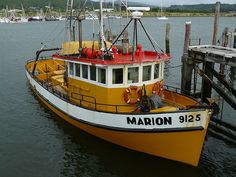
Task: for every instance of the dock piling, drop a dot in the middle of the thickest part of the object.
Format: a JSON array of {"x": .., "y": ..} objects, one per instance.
[
  {"x": 187, "y": 64},
  {"x": 224, "y": 43},
  {"x": 206, "y": 86},
  {"x": 234, "y": 44},
  {"x": 167, "y": 38}
]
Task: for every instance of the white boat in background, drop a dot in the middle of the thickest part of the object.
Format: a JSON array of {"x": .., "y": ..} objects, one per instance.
[
  {"x": 114, "y": 17},
  {"x": 36, "y": 18},
  {"x": 15, "y": 17},
  {"x": 162, "y": 17},
  {"x": 4, "y": 20},
  {"x": 39, "y": 17},
  {"x": 91, "y": 16}
]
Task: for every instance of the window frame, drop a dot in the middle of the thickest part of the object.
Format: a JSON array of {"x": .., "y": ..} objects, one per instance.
[
  {"x": 151, "y": 77},
  {"x": 106, "y": 76},
  {"x": 123, "y": 75},
  {"x": 96, "y": 76},
  {"x": 159, "y": 71},
  {"x": 79, "y": 70},
  {"x": 88, "y": 71},
  {"x": 69, "y": 69},
  {"x": 139, "y": 73}
]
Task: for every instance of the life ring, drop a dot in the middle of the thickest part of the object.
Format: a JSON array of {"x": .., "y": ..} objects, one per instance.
[
  {"x": 158, "y": 88},
  {"x": 132, "y": 95}
]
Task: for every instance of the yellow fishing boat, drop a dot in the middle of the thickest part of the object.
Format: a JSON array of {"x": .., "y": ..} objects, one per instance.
[{"x": 116, "y": 92}]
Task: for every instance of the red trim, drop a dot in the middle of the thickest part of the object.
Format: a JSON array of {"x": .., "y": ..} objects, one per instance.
[{"x": 140, "y": 57}]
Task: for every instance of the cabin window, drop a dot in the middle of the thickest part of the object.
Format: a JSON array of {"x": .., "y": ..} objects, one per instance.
[
  {"x": 85, "y": 71},
  {"x": 102, "y": 75},
  {"x": 117, "y": 76},
  {"x": 156, "y": 71},
  {"x": 77, "y": 69},
  {"x": 147, "y": 73},
  {"x": 93, "y": 73},
  {"x": 133, "y": 74},
  {"x": 162, "y": 69},
  {"x": 71, "y": 68}
]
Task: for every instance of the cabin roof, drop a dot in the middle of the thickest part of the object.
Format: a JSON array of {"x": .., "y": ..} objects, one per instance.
[{"x": 140, "y": 57}]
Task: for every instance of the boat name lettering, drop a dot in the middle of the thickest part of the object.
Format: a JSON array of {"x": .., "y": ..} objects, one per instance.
[
  {"x": 149, "y": 120},
  {"x": 189, "y": 118}
]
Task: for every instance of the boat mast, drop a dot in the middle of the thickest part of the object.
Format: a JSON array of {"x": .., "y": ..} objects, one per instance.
[
  {"x": 101, "y": 27},
  {"x": 23, "y": 10},
  {"x": 69, "y": 13},
  {"x": 113, "y": 4}
]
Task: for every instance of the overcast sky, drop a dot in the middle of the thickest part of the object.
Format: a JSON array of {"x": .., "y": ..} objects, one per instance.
[{"x": 181, "y": 2}]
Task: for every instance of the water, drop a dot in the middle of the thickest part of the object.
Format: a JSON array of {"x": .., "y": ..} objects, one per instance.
[{"x": 34, "y": 142}]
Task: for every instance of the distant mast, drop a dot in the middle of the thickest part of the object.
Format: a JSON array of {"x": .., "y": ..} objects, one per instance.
[
  {"x": 161, "y": 8},
  {"x": 113, "y": 4}
]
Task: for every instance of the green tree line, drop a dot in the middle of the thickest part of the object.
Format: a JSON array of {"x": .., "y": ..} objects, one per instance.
[
  {"x": 31, "y": 4},
  {"x": 205, "y": 8}
]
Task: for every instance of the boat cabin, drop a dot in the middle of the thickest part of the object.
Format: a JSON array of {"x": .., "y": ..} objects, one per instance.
[{"x": 117, "y": 81}]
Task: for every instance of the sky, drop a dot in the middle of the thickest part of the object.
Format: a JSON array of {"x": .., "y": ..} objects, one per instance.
[{"x": 183, "y": 2}]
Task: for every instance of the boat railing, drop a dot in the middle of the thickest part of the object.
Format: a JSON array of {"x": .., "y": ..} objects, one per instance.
[
  {"x": 172, "y": 88},
  {"x": 83, "y": 99},
  {"x": 97, "y": 106},
  {"x": 45, "y": 84},
  {"x": 90, "y": 102},
  {"x": 40, "y": 58}
]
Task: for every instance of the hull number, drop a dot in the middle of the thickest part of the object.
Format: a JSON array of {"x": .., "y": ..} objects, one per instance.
[{"x": 189, "y": 118}]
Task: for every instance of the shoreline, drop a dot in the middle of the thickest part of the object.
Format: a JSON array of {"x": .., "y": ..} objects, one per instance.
[{"x": 188, "y": 14}]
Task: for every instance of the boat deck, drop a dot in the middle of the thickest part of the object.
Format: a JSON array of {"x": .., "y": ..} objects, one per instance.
[{"x": 50, "y": 74}]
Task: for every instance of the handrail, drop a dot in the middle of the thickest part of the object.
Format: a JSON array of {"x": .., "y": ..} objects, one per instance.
[
  {"x": 177, "y": 90},
  {"x": 95, "y": 102},
  {"x": 66, "y": 97}
]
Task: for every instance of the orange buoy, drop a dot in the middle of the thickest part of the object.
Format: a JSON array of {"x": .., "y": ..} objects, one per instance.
[
  {"x": 132, "y": 95},
  {"x": 158, "y": 88}
]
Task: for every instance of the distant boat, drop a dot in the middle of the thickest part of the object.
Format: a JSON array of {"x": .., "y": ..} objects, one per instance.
[
  {"x": 38, "y": 17},
  {"x": 35, "y": 18},
  {"x": 162, "y": 17},
  {"x": 91, "y": 15},
  {"x": 4, "y": 20},
  {"x": 114, "y": 17},
  {"x": 14, "y": 17}
]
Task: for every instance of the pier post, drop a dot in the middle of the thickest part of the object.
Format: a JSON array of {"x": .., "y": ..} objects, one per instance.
[
  {"x": 234, "y": 44},
  {"x": 187, "y": 64},
  {"x": 167, "y": 38},
  {"x": 216, "y": 21},
  {"x": 232, "y": 74},
  {"x": 206, "y": 87},
  {"x": 224, "y": 44}
]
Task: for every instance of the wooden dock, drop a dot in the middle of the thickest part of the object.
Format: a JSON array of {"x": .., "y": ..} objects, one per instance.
[{"x": 212, "y": 53}]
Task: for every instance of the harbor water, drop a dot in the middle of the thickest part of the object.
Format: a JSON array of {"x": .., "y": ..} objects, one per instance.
[{"x": 34, "y": 142}]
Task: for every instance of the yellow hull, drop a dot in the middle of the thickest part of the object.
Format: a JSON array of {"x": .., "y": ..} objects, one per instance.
[{"x": 183, "y": 146}]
